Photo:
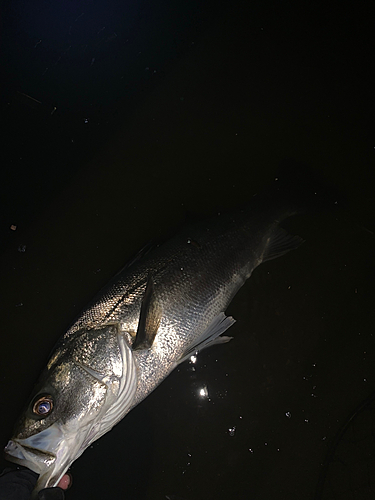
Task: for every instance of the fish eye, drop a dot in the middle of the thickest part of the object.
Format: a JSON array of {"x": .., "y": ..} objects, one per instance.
[{"x": 43, "y": 406}]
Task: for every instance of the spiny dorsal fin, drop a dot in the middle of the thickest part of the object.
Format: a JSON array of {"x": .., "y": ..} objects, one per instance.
[{"x": 149, "y": 318}]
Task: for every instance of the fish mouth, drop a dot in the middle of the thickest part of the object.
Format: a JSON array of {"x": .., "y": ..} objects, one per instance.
[
  {"x": 50, "y": 452},
  {"x": 37, "y": 454},
  {"x": 28, "y": 456}
]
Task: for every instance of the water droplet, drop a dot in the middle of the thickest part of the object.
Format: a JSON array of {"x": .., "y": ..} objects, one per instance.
[{"x": 232, "y": 431}]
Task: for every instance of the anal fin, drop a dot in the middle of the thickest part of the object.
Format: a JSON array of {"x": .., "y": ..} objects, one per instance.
[{"x": 211, "y": 336}]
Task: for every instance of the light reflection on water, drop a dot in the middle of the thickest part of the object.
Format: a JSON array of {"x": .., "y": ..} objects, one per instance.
[{"x": 203, "y": 392}]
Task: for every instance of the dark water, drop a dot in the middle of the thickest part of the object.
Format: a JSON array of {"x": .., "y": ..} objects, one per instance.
[{"x": 164, "y": 110}]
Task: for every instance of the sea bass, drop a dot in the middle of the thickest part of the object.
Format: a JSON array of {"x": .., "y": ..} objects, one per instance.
[{"x": 157, "y": 312}]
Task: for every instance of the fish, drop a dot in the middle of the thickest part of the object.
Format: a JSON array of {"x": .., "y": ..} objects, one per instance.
[{"x": 162, "y": 308}]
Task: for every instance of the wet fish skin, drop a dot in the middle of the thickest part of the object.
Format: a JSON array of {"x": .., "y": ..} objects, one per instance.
[
  {"x": 95, "y": 376},
  {"x": 196, "y": 275}
]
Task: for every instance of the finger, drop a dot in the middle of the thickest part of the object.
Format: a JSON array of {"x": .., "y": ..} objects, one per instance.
[{"x": 65, "y": 482}]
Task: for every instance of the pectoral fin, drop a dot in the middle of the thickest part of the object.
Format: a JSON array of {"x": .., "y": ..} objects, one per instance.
[
  {"x": 210, "y": 336},
  {"x": 149, "y": 318}
]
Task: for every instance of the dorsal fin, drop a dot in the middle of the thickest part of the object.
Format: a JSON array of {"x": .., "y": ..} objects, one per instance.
[
  {"x": 149, "y": 318},
  {"x": 281, "y": 243}
]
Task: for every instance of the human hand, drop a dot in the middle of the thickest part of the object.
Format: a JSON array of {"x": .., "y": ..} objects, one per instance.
[
  {"x": 58, "y": 492},
  {"x": 18, "y": 484}
]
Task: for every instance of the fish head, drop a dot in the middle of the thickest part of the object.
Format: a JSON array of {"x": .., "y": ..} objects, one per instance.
[{"x": 87, "y": 387}]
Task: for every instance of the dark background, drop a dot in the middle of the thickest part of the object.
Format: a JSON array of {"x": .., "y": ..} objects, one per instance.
[{"x": 121, "y": 119}]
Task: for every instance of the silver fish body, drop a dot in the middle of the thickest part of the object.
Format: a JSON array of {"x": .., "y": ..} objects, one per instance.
[{"x": 152, "y": 315}]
